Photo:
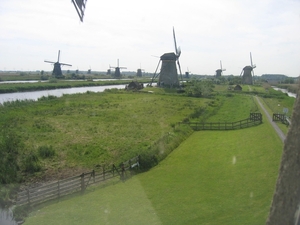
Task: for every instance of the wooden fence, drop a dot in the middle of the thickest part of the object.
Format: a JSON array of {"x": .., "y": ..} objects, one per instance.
[
  {"x": 281, "y": 117},
  {"x": 60, "y": 188},
  {"x": 254, "y": 119}
]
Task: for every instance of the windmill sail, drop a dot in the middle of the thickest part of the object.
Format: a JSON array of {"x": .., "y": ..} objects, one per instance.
[{"x": 80, "y": 7}]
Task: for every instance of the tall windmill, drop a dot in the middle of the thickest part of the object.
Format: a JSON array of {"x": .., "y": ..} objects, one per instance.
[
  {"x": 168, "y": 75},
  {"x": 248, "y": 73},
  {"x": 117, "y": 73},
  {"x": 219, "y": 71},
  {"x": 57, "y": 66}
]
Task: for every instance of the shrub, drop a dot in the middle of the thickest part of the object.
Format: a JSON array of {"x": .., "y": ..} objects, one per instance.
[
  {"x": 31, "y": 163},
  {"x": 46, "y": 151}
]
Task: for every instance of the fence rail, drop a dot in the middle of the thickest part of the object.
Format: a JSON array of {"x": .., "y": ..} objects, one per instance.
[
  {"x": 60, "y": 188},
  {"x": 254, "y": 119}
]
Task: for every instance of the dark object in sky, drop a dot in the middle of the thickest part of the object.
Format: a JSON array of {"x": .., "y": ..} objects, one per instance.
[
  {"x": 57, "y": 67},
  {"x": 80, "y": 7}
]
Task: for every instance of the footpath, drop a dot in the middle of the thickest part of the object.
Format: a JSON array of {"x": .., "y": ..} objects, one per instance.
[{"x": 276, "y": 128}]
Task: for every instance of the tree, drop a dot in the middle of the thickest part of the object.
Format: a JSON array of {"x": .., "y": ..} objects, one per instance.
[{"x": 199, "y": 88}]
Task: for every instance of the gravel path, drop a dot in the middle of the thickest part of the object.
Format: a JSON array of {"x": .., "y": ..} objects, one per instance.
[{"x": 276, "y": 128}]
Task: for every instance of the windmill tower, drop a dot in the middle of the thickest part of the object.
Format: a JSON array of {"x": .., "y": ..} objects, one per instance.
[
  {"x": 57, "y": 67},
  {"x": 248, "y": 73},
  {"x": 219, "y": 71},
  {"x": 168, "y": 75},
  {"x": 117, "y": 73}
]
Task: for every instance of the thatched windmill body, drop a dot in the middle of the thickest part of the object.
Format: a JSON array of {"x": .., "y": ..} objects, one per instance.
[
  {"x": 220, "y": 71},
  {"x": 57, "y": 66},
  {"x": 168, "y": 75},
  {"x": 248, "y": 73},
  {"x": 117, "y": 73}
]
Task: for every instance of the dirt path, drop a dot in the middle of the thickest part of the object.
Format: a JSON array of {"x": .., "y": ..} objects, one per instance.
[{"x": 276, "y": 128}]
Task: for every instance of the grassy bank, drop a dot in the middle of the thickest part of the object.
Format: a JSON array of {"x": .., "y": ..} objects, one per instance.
[{"x": 219, "y": 177}]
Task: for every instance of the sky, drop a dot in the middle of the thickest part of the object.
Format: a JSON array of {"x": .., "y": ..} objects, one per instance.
[{"x": 138, "y": 32}]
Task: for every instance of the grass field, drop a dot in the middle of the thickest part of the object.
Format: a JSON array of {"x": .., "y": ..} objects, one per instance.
[{"x": 219, "y": 177}]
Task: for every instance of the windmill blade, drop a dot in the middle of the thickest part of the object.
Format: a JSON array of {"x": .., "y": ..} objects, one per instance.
[
  {"x": 176, "y": 50},
  {"x": 80, "y": 7},
  {"x": 251, "y": 59},
  {"x": 221, "y": 64},
  {"x": 155, "y": 75},
  {"x": 241, "y": 72},
  {"x": 65, "y": 64},
  {"x": 58, "y": 55},
  {"x": 179, "y": 69},
  {"x": 48, "y": 61}
]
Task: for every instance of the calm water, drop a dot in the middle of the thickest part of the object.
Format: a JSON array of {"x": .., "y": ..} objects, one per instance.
[
  {"x": 285, "y": 91},
  {"x": 35, "y": 95}
]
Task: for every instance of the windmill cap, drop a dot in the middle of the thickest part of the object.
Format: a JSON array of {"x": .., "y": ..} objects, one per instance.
[{"x": 169, "y": 56}]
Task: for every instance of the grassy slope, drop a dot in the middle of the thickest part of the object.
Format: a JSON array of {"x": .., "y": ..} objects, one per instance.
[
  {"x": 212, "y": 178},
  {"x": 220, "y": 177},
  {"x": 96, "y": 128}
]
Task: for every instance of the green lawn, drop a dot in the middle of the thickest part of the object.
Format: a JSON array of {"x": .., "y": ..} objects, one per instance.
[{"x": 214, "y": 177}]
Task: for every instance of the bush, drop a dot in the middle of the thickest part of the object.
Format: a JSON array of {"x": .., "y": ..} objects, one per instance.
[
  {"x": 46, "y": 151},
  {"x": 31, "y": 163}
]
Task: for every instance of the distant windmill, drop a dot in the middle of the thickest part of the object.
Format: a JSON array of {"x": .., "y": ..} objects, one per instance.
[
  {"x": 219, "y": 71},
  {"x": 80, "y": 7},
  {"x": 139, "y": 72},
  {"x": 248, "y": 73},
  {"x": 57, "y": 67},
  {"x": 187, "y": 73},
  {"x": 89, "y": 70},
  {"x": 117, "y": 73},
  {"x": 168, "y": 75}
]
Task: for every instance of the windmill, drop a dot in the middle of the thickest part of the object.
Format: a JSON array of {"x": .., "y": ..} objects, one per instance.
[
  {"x": 187, "y": 73},
  {"x": 139, "y": 72},
  {"x": 89, "y": 70},
  {"x": 248, "y": 73},
  {"x": 168, "y": 75},
  {"x": 219, "y": 71},
  {"x": 57, "y": 66},
  {"x": 117, "y": 73}
]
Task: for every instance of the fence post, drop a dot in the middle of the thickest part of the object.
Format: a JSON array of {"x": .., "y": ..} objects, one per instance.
[
  {"x": 58, "y": 190},
  {"x": 103, "y": 172},
  {"x": 28, "y": 196},
  {"x": 82, "y": 182},
  {"x": 93, "y": 174}
]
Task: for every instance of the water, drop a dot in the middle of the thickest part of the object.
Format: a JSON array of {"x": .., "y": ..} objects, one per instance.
[
  {"x": 35, "y": 95},
  {"x": 290, "y": 94},
  {"x": 6, "y": 217}
]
